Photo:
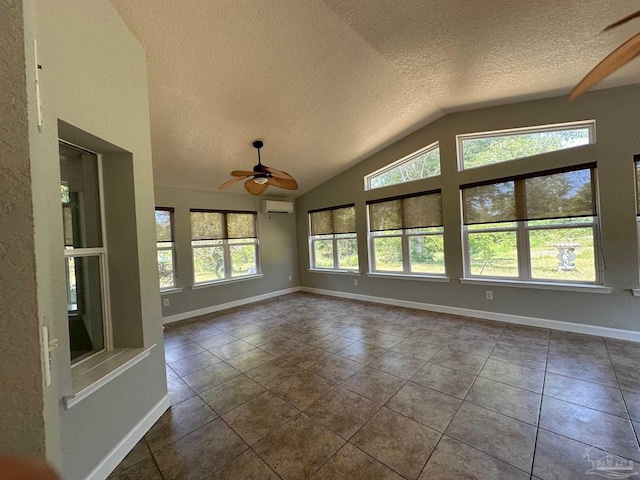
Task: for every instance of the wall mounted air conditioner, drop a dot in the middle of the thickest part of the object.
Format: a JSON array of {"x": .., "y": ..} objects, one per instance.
[{"x": 276, "y": 206}]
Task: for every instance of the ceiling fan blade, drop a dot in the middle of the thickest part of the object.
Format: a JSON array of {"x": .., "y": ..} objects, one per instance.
[
  {"x": 616, "y": 59},
  {"x": 231, "y": 182},
  {"x": 623, "y": 21},
  {"x": 289, "y": 184},
  {"x": 255, "y": 188},
  {"x": 278, "y": 173},
  {"x": 242, "y": 173}
]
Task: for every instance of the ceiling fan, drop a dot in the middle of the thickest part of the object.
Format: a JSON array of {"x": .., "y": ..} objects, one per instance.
[
  {"x": 262, "y": 176},
  {"x": 612, "y": 62}
]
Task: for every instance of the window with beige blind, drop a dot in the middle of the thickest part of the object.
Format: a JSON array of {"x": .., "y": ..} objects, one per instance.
[
  {"x": 333, "y": 243},
  {"x": 406, "y": 234},
  {"x": 224, "y": 245},
  {"x": 542, "y": 226}
]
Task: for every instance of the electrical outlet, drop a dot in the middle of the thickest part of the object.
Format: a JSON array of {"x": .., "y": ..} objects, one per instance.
[
  {"x": 165, "y": 302},
  {"x": 488, "y": 294},
  {"x": 290, "y": 278},
  {"x": 355, "y": 282}
]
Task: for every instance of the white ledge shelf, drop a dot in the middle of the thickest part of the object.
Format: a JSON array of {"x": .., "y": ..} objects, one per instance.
[
  {"x": 635, "y": 292},
  {"x": 225, "y": 281},
  {"x": 169, "y": 291},
  {"x": 566, "y": 287},
  {"x": 402, "y": 276},
  {"x": 95, "y": 373},
  {"x": 335, "y": 272}
]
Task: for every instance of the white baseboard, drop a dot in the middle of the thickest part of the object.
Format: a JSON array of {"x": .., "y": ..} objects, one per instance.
[
  {"x": 124, "y": 446},
  {"x": 223, "y": 306},
  {"x": 501, "y": 317}
]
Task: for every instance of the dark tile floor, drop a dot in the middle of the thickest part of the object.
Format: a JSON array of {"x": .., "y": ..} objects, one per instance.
[{"x": 307, "y": 386}]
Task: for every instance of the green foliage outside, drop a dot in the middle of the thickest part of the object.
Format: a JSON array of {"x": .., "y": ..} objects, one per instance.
[
  {"x": 208, "y": 261},
  {"x": 347, "y": 252},
  {"x": 426, "y": 254},
  {"x": 165, "y": 268},
  {"x": 424, "y": 165},
  {"x": 495, "y": 254},
  {"x": 485, "y": 151}
]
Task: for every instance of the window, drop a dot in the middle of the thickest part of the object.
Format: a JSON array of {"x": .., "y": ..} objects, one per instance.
[
  {"x": 224, "y": 244},
  {"x": 85, "y": 252},
  {"x": 333, "y": 243},
  {"x": 535, "y": 227},
  {"x": 406, "y": 234},
  {"x": 479, "y": 149},
  {"x": 166, "y": 248},
  {"x": 636, "y": 159},
  {"x": 421, "y": 164}
]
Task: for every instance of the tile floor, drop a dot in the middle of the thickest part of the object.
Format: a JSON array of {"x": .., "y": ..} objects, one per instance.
[{"x": 307, "y": 386}]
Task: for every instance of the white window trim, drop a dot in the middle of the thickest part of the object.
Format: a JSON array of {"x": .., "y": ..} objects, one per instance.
[
  {"x": 523, "y": 250},
  {"x": 334, "y": 237},
  {"x": 101, "y": 253},
  {"x": 561, "y": 286},
  {"x": 391, "y": 166},
  {"x": 355, "y": 273},
  {"x": 170, "y": 290},
  {"x": 411, "y": 276},
  {"x": 226, "y": 252},
  {"x": 213, "y": 283},
  {"x": 590, "y": 124},
  {"x": 406, "y": 256}
]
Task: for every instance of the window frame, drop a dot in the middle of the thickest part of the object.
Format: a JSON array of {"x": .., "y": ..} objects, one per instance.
[
  {"x": 554, "y": 127},
  {"x": 334, "y": 238},
  {"x": 407, "y": 158},
  {"x": 226, "y": 244},
  {"x": 171, "y": 247},
  {"x": 522, "y": 228},
  {"x": 101, "y": 253},
  {"x": 405, "y": 235}
]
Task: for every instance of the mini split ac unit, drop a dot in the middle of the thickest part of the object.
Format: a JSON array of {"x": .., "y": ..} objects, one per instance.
[{"x": 276, "y": 207}]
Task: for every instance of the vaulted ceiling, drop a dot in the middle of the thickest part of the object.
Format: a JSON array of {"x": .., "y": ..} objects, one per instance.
[{"x": 328, "y": 83}]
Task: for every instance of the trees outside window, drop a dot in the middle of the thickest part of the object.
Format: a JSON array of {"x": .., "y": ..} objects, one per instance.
[
  {"x": 333, "y": 243},
  {"x": 224, "y": 245}
]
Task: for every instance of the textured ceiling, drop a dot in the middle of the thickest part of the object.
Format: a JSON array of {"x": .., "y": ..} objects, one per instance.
[{"x": 327, "y": 83}]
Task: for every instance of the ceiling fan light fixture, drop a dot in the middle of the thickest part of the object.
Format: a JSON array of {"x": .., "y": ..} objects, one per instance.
[{"x": 260, "y": 180}]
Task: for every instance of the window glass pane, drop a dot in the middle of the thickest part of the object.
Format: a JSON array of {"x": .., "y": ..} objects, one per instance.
[
  {"x": 423, "y": 164},
  {"x": 208, "y": 263},
  {"x": 638, "y": 184},
  {"x": 427, "y": 254},
  {"x": 84, "y": 300},
  {"x": 323, "y": 253},
  {"x": 560, "y": 221},
  {"x": 423, "y": 211},
  {"x": 485, "y": 226},
  {"x": 80, "y": 196},
  {"x": 489, "y": 203},
  {"x": 243, "y": 260},
  {"x": 165, "y": 268},
  {"x": 164, "y": 232},
  {"x": 241, "y": 225},
  {"x": 347, "y": 253},
  {"x": 565, "y": 194},
  {"x": 385, "y": 215},
  {"x": 563, "y": 254},
  {"x": 477, "y": 152},
  {"x": 388, "y": 254},
  {"x": 206, "y": 226},
  {"x": 493, "y": 254},
  {"x": 344, "y": 220}
]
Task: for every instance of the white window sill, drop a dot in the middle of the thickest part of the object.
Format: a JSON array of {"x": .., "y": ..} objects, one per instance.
[
  {"x": 226, "y": 280},
  {"x": 96, "y": 372},
  {"x": 169, "y": 291},
  {"x": 411, "y": 276},
  {"x": 567, "y": 287},
  {"x": 635, "y": 292},
  {"x": 338, "y": 272}
]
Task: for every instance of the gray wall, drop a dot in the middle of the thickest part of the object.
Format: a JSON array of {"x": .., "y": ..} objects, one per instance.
[
  {"x": 21, "y": 396},
  {"x": 277, "y": 236},
  {"x": 94, "y": 78},
  {"x": 616, "y": 114}
]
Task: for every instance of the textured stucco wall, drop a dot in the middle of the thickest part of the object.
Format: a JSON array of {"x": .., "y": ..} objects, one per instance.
[
  {"x": 616, "y": 113},
  {"x": 94, "y": 79},
  {"x": 21, "y": 396}
]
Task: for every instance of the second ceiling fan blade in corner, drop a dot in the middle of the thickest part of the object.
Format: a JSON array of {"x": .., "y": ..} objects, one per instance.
[
  {"x": 289, "y": 184},
  {"x": 231, "y": 182},
  {"x": 255, "y": 188}
]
